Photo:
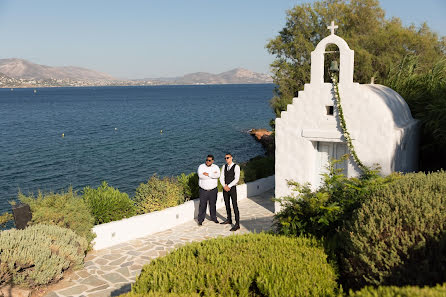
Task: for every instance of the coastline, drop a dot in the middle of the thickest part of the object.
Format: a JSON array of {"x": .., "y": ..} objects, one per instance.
[{"x": 127, "y": 85}]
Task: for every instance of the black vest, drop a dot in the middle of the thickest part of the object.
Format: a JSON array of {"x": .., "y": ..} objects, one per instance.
[{"x": 229, "y": 174}]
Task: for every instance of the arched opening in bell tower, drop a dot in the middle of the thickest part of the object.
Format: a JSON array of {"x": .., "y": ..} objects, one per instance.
[{"x": 331, "y": 54}]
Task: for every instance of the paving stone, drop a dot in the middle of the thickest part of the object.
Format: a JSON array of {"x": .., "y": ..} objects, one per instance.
[
  {"x": 93, "y": 281},
  {"x": 124, "y": 271},
  {"x": 89, "y": 263},
  {"x": 101, "y": 261},
  {"x": 112, "y": 256},
  {"x": 117, "y": 262},
  {"x": 76, "y": 290},
  {"x": 100, "y": 288},
  {"x": 134, "y": 253},
  {"x": 136, "y": 267},
  {"x": 127, "y": 264},
  {"x": 50, "y": 294},
  {"x": 114, "y": 278},
  {"x": 82, "y": 274},
  {"x": 125, "y": 288},
  {"x": 104, "y": 293}
]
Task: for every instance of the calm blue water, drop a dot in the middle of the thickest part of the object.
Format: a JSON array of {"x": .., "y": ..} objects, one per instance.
[{"x": 113, "y": 133}]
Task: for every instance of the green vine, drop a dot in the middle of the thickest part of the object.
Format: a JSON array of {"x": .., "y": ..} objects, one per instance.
[{"x": 345, "y": 132}]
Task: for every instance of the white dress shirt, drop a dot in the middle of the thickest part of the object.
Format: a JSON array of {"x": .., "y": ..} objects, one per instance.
[
  {"x": 208, "y": 182},
  {"x": 236, "y": 177}
]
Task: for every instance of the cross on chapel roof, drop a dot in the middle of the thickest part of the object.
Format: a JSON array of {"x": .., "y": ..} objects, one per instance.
[{"x": 332, "y": 27}]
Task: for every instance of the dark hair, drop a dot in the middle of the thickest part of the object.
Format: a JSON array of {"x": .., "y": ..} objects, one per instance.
[
  {"x": 211, "y": 156},
  {"x": 228, "y": 154}
]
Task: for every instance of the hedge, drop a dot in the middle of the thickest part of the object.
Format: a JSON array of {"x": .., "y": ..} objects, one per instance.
[
  {"x": 108, "y": 204},
  {"x": 39, "y": 254},
  {"x": 398, "y": 235},
  {"x": 158, "y": 194},
  {"x": 409, "y": 291},
  {"x": 64, "y": 209},
  {"x": 242, "y": 265}
]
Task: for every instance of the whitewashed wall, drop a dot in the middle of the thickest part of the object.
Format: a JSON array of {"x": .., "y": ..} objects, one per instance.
[{"x": 113, "y": 233}]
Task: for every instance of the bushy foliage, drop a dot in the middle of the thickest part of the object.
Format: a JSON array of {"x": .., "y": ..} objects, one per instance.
[
  {"x": 5, "y": 218},
  {"x": 398, "y": 235},
  {"x": 244, "y": 265},
  {"x": 157, "y": 294},
  {"x": 257, "y": 168},
  {"x": 65, "y": 210},
  {"x": 39, "y": 254},
  {"x": 158, "y": 194},
  {"x": 409, "y": 291},
  {"x": 321, "y": 212},
  {"x": 108, "y": 204},
  {"x": 190, "y": 185},
  {"x": 425, "y": 93}
]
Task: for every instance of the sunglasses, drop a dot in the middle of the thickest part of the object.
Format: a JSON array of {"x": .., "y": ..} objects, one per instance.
[
  {"x": 209, "y": 160},
  {"x": 228, "y": 157}
]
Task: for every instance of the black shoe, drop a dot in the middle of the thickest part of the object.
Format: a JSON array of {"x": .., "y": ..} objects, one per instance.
[
  {"x": 235, "y": 228},
  {"x": 200, "y": 223},
  {"x": 226, "y": 222},
  {"x": 215, "y": 221}
]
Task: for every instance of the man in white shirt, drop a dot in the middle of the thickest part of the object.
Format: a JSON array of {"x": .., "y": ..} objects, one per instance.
[
  {"x": 230, "y": 175},
  {"x": 208, "y": 174}
]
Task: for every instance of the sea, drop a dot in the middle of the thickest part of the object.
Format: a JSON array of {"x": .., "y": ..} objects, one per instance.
[{"x": 54, "y": 138}]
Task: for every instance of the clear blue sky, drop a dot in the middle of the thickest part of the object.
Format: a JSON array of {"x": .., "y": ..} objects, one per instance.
[{"x": 155, "y": 38}]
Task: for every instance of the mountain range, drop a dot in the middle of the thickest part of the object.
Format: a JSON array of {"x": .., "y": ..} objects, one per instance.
[
  {"x": 19, "y": 68},
  {"x": 23, "y": 70}
]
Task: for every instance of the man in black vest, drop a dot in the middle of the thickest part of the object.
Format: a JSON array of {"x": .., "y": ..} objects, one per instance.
[{"x": 230, "y": 175}]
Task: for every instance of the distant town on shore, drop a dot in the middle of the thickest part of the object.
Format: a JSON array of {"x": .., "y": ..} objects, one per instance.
[{"x": 19, "y": 73}]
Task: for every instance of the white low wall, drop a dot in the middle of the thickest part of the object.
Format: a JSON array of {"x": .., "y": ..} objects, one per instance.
[{"x": 113, "y": 233}]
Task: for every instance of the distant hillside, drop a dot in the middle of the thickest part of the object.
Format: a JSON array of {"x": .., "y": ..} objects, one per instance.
[
  {"x": 19, "y": 68},
  {"x": 235, "y": 76},
  {"x": 22, "y": 73}
]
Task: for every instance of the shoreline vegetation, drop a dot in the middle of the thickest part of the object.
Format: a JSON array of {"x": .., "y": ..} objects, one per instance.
[{"x": 107, "y": 204}]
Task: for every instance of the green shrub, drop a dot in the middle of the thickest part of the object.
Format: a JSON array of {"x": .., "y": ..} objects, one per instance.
[
  {"x": 437, "y": 291},
  {"x": 258, "y": 167},
  {"x": 425, "y": 93},
  {"x": 398, "y": 235},
  {"x": 158, "y": 194},
  {"x": 5, "y": 218},
  {"x": 39, "y": 254},
  {"x": 321, "y": 212},
  {"x": 108, "y": 204},
  {"x": 153, "y": 294},
  {"x": 65, "y": 210},
  {"x": 190, "y": 185},
  {"x": 243, "y": 265}
]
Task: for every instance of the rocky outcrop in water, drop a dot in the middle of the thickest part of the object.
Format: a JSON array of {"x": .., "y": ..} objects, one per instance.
[{"x": 266, "y": 138}]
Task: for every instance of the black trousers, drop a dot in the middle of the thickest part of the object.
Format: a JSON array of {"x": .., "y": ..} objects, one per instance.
[
  {"x": 205, "y": 197},
  {"x": 232, "y": 195}
]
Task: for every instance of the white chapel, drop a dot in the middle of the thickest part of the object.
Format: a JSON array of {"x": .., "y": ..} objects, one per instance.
[{"x": 308, "y": 133}]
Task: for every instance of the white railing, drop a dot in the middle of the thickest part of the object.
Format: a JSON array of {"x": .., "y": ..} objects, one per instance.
[{"x": 113, "y": 233}]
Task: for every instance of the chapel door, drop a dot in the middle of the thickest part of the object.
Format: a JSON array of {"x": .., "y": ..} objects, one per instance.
[{"x": 327, "y": 151}]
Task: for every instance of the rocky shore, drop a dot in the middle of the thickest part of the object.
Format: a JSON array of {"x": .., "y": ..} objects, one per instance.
[{"x": 266, "y": 138}]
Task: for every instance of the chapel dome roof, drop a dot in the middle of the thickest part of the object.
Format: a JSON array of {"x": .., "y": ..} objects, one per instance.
[{"x": 395, "y": 103}]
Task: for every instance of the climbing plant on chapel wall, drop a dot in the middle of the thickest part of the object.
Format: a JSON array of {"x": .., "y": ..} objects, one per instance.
[{"x": 345, "y": 132}]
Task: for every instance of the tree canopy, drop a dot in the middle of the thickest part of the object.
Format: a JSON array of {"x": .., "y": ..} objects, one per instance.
[{"x": 380, "y": 44}]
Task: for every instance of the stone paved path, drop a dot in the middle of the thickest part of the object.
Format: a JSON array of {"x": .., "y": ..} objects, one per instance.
[{"x": 110, "y": 272}]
